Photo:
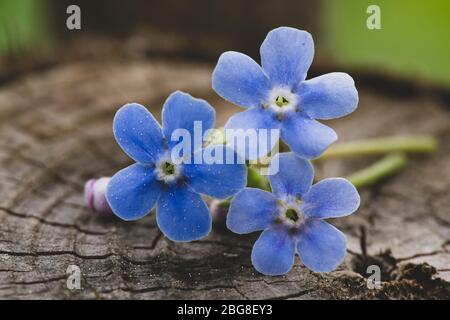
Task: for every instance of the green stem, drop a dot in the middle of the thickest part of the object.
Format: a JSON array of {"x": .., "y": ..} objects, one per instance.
[
  {"x": 377, "y": 146},
  {"x": 395, "y": 160},
  {"x": 225, "y": 203},
  {"x": 383, "y": 168},
  {"x": 255, "y": 179}
]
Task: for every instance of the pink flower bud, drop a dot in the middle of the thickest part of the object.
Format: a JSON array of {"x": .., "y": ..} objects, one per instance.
[{"x": 95, "y": 195}]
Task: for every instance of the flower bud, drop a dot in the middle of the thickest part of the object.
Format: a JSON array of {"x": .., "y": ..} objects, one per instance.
[{"x": 95, "y": 195}]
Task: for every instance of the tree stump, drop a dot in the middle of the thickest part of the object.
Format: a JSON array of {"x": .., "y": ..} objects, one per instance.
[{"x": 55, "y": 133}]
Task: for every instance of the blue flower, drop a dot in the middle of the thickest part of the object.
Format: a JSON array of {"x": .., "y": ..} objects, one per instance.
[
  {"x": 155, "y": 179},
  {"x": 292, "y": 218},
  {"x": 277, "y": 96}
]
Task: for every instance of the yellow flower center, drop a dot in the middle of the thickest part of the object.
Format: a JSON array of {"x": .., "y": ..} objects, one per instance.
[{"x": 281, "y": 101}]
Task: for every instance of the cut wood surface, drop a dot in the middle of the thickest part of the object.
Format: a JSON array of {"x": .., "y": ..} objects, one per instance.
[{"x": 55, "y": 133}]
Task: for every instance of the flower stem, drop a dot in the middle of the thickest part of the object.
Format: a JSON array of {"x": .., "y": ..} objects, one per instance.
[
  {"x": 255, "y": 179},
  {"x": 383, "y": 168},
  {"x": 377, "y": 146},
  {"x": 390, "y": 164}
]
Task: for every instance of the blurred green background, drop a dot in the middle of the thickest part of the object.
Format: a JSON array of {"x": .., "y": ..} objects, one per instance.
[
  {"x": 414, "y": 39},
  {"x": 23, "y": 24},
  {"x": 413, "y": 42}
]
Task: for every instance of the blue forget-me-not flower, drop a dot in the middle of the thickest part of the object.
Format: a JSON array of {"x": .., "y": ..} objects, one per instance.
[
  {"x": 292, "y": 217},
  {"x": 277, "y": 96},
  {"x": 173, "y": 186}
]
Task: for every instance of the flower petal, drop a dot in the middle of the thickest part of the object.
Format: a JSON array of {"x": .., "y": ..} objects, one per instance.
[
  {"x": 182, "y": 215},
  {"x": 331, "y": 198},
  {"x": 240, "y": 80},
  {"x": 181, "y": 111},
  {"x": 220, "y": 179},
  {"x": 273, "y": 253},
  {"x": 132, "y": 192},
  {"x": 286, "y": 55},
  {"x": 294, "y": 176},
  {"x": 138, "y": 133},
  {"x": 251, "y": 210},
  {"x": 321, "y": 246},
  {"x": 306, "y": 137},
  {"x": 258, "y": 135},
  {"x": 330, "y": 96}
]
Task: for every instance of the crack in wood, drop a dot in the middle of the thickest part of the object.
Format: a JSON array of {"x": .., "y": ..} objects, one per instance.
[
  {"x": 291, "y": 295},
  {"x": 53, "y": 223}
]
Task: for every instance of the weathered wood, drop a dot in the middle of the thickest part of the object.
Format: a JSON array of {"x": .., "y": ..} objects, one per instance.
[{"x": 55, "y": 133}]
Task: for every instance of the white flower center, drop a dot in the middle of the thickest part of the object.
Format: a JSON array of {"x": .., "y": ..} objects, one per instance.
[
  {"x": 291, "y": 215},
  {"x": 281, "y": 100},
  {"x": 167, "y": 171}
]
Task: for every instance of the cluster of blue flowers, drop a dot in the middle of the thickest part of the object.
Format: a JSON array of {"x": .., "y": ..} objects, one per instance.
[{"x": 275, "y": 96}]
